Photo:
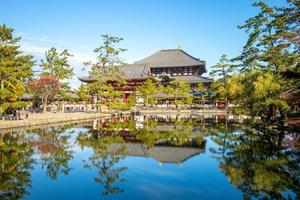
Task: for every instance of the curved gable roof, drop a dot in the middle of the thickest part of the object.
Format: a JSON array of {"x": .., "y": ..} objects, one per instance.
[
  {"x": 135, "y": 71},
  {"x": 171, "y": 58},
  {"x": 131, "y": 71}
]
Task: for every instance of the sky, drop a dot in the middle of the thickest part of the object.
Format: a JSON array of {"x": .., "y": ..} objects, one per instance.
[{"x": 206, "y": 29}]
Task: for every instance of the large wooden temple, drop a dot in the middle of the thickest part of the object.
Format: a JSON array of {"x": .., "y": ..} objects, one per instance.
[{"x": 168, "y": 64}]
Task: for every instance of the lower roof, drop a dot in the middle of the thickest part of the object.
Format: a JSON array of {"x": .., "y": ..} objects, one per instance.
[
  {"x": 193, "y": 79},
  {"x": 131, "y": 72},
  {"x": 164, "y": 154}
]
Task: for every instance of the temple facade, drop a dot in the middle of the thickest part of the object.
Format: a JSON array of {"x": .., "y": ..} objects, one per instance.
[
  {"x": 176, "y": 64},
  {"x": 163, "y": 67}
]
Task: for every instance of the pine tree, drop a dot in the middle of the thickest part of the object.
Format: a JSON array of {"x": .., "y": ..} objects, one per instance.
[
  {"x": 222, "y": 70},
  {"x": 56, "y": 64},
  {"x": 146, "y": 90},
  {"x": 15, "y": 70},
  {"x": 105, "y": 71}
]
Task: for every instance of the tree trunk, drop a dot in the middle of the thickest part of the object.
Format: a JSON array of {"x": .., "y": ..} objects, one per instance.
[
  {"x": 45, "y": 102},
  {"x": 146, "y": 103},
  {"x": 1, "y": 111}
]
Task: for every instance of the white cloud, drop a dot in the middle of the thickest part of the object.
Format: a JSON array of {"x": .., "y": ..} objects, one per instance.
[
  {"x": 21, "y": 33},
  {"x": 32, "y": 48},
  {"x": 38, "y": 49},
  {"x": 38, "y": 45},
  {"x": 45, "y": 39},
  {"x": 82, "y": 57}
]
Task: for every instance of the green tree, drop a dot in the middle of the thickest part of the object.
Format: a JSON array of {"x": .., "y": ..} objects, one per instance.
[
  {"x": 222, "y": 70},
  {"x": 200, "y": 88},
  {"x": 273, "y": 42},
  {"x": 272, "y": 48},
  {"x": 83, "y": 93},
  {"x": 15, "y": 70},
  {"x": 56, "y": 64},
  {"x": 148, "y": 90},
  {"x": 255, "y": 93},
  {"x": 105, "y": 71},
  {"x": 180, "y": 91}
]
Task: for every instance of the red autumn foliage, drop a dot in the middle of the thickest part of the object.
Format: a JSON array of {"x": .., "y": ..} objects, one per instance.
[{"x": 46, "y": 86}]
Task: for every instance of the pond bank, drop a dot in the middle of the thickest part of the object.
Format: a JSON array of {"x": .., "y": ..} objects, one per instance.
[
  {"x": 37, "y": 119},
  {"x": 186, "y": 111}
]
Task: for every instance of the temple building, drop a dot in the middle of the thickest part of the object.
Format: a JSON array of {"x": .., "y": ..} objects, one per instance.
[
  {"x": 177, "y": 64},
  {"x": 174, "y": 63},
  {"x": 163, "y": 66}
]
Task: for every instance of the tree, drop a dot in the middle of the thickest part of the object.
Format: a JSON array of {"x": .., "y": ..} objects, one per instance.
[
  {"x": 107, "y": 75},
  {"x": 83, "y": 92},
  {"x": 272, "y": 48},
  {"x": 56, "y": 64},
  {"x": 15, "y": 70},
  {"x": 273, "y": 41},
  {"x": 254, "y": 92},
  {"x": 148, "y": 89},
  {"x": 46, "y": 86},
  {"x": 200, "y": 88},
  {"x": 108, "y": 53},
  {"x": 222, "y": 70},
  {"x": 180, "y": 91}
]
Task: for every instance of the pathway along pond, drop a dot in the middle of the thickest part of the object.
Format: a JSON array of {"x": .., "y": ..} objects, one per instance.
[{"x": 154, "y": 157}]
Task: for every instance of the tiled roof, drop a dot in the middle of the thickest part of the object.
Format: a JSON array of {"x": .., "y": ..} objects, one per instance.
[
  {"x": 193, "y": 79},
  {"x": 163, "y": 58},
  {"x": 131, "y": 71},
  {"x": 135, "y": 71},
  {"x": 171, "y": 58}
]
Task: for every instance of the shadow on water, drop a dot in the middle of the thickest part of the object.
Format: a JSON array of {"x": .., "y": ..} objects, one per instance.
[{"x": 263, "y": 165}]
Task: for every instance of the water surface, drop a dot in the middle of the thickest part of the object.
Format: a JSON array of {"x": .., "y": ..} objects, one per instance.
[{"x": 153, "y": 157}]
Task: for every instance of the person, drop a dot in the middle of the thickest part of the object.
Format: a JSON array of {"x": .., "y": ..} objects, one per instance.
[
  {"x": 18, "y": 114},
  {"x": 14, "y": 114}
]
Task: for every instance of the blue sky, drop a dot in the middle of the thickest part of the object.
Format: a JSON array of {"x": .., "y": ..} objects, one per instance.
[{"x": 204, "y": 28}]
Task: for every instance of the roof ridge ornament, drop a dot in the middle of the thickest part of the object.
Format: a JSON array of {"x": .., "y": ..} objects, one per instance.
[{"x": 179, "y": 47}]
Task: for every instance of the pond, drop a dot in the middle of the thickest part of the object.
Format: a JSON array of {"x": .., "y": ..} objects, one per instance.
[{"x": 150, "y": 157}]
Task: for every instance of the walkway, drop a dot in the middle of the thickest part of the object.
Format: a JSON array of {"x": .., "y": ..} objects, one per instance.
[{"x": 49, "y": 118}]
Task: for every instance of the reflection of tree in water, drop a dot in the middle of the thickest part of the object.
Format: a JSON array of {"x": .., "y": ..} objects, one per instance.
[
  {"x": 108, "y": 151},
  {"x": 257, "y": 164},
  {"x": 54, "y": 147},
  {"x": 15, "y": 163},
  {"x": 108, "y": 144},
  {"x": 177, "y": 133}
]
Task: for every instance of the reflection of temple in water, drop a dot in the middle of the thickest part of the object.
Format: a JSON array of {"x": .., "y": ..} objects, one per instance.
[
  {"x": 163, "y": 150},
  {"x": 168, "y": 118},
  {"x": 162, "y": 154}
]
